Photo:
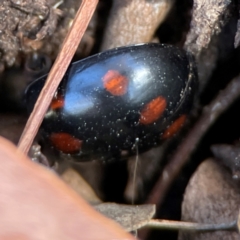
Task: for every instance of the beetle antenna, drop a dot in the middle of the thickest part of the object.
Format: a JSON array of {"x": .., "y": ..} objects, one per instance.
[
  {"x": 135, "y": 170},
  {"x": 134, "y": 177}
]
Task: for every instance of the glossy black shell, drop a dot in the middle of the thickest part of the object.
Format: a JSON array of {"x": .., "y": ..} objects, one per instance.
[{"x": 108, "y": 125}]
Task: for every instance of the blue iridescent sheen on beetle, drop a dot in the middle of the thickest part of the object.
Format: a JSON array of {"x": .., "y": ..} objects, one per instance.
[{"x": 107, "y": 101}]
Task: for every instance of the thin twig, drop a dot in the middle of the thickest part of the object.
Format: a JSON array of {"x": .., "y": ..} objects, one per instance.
[
  {"x": 58, "y": 70},
  {"x": 190, "y": 226},
  {"x": 210, "y": 114}
]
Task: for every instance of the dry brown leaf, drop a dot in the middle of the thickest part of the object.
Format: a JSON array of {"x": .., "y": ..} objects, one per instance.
[
  {"x": 35, "y": 204},
  {"x": 76, "y": 182},
  {"x": 130, "y": 217}
]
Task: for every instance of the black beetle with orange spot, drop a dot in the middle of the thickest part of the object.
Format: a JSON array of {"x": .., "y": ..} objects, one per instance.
[{"x": 110, "y": 102}]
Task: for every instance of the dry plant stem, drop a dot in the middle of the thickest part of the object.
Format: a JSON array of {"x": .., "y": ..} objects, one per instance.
[
  {"x": 209, "y": 17},
  {"x": 134, "y": 21},
  {"x": 209, "y": 116},
  {"x": 208, "y": 21},
  {"x": 58, "y": 70},
  {"x": 237, "y": 36},
  {"x": 189, "y": 226}
]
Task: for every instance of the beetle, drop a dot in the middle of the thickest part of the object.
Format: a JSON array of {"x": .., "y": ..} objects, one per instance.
[{"x": 116, "y": 102}]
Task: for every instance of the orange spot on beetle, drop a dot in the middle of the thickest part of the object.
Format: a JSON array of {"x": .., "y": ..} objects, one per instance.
[
  {"x": 174, "y": 127},
  {"x": 57, "y": 102},
  {"x": 115, "y": 83},
  {"x": 153, "y": 110},
  {"x": 65, "y": 143}
]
